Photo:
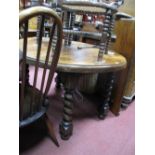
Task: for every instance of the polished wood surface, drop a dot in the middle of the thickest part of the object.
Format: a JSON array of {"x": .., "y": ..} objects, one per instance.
[
  {"x": 77, "y": 60},
  {"x": 129, "y": 92},
  {"x": 125, "y": 45}
]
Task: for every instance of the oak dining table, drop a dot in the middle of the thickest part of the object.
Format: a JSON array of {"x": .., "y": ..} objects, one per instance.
[{"x": 76, "y": 61}]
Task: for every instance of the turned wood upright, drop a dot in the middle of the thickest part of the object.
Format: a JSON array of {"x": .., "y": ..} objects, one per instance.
[
  {"x": 71, "y": 74},
  {"x": 78, "y": 60},
  {"x": 33, "y": 100}
]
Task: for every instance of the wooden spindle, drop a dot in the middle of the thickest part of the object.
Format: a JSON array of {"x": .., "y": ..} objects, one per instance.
[
  {"x": 47, "y": 59},
  {"x": 37, "y": 62},
  {"x": 23, "y": 70}
]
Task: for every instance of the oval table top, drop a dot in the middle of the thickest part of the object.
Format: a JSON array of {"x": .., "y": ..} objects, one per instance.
[{"x": 75, "y": 60}]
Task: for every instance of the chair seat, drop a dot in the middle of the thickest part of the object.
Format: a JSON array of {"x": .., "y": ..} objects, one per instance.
[
  {"x": 38, "y": 108},
  {"x": 87, "y": 7}
]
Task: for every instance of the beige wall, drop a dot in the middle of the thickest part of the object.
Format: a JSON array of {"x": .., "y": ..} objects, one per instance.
[{"x": 128, "y": 7}]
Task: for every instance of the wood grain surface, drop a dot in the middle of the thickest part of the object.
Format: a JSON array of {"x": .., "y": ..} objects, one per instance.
[
  {"x": 125, "y": 45},
  {"x": 77, "y": 60}
]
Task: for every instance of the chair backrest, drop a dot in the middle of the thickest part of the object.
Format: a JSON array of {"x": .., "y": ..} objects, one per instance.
[
  {"x": 107, "y": 9},
  {"x": 30, "y": 3},
  {"x": 32, "y": 97}
]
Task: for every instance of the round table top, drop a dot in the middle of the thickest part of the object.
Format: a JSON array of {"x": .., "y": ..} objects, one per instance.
[{"x": 75, "y": 60}]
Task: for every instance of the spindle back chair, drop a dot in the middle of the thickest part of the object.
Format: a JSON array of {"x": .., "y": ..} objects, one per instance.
[
  {"x": 107, "y": 9},
  {"x": 33, "y": 100}
]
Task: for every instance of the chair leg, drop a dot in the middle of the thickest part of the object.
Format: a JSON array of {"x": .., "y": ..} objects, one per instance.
[
  {"x": 103, "y": 108},
  {"x": 66, "y": 126},
  {"x": 58, "y": 81},
  {"x": 27, "y": 74},
  {"x": 50, "y": 128}
]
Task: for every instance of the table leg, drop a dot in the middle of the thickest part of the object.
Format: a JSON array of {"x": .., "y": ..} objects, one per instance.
[
  {"x": 58, "y": 81},
  {"x": 66, "y": 126},
  {"x": 70, "y": 83},
  {"x": 27, "y": 74},
  {"x": 103, "y": 108}
]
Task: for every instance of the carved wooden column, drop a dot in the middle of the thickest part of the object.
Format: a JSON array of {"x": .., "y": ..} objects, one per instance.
[
  {"x": 103, "y": 108},
  {"x": 66, "y": 126},
  {"x": 27, "y": 74},
  {"x": 58, "y": 81},
  {"x": 70, "y": 82}
]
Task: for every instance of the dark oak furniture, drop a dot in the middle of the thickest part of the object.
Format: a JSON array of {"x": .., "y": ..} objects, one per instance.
[
  {"x": 73, "y": 64},
  {"x": 129, "y": 52},
  {"x": 125, "y": 45},
  {"x": 129, "y": 91},
  {"x": 107, "y": 10},
  {"x": 33, "y": 101},
  {"x": 79, "y": 60},
  {"x": 124, "y": 85}
]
